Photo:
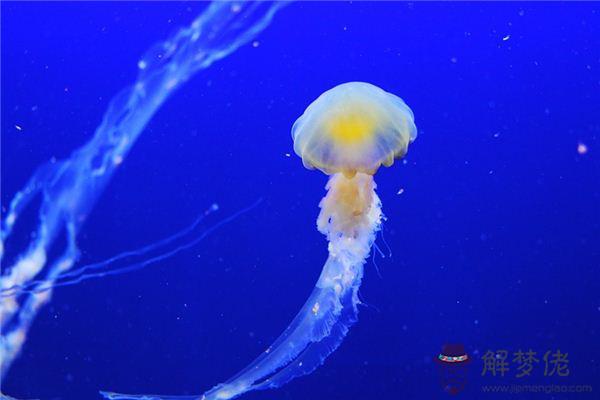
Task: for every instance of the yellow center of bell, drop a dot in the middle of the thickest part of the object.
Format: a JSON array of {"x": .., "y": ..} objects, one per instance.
[{"x": 351, "y": 128}]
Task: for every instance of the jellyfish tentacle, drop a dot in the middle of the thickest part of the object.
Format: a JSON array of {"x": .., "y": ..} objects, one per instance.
[
  {"x": 108, "y": 268},
  {"x": 70, "y": 187},
  {"x": 340, "y": 280},
  {"x": 75, "y": 272},
  {"x": 350, "y": 223},
  {"x": 317, "y": 331}
]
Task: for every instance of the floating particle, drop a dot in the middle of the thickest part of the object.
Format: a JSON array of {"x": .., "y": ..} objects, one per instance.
[
  {"x": 582, "y": 148},
  {"x": 255, "y": 44},
  {"x": 287, "y": 155},
  {"x": 453, "y": 60},
  {"x": 505, "y": 38},
  {"x": 142, "y": 64},
  {"x": 315, "y": 308},
  {"x": 18, "y": 127},
  {"x": 400, "y": 191}
]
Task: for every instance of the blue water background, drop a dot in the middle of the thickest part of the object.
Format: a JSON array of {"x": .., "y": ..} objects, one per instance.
[{"x": 495, "y": 238}]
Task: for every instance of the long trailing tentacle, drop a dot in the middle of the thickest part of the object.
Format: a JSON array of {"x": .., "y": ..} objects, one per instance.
[
  {"x": 150, "y": 254},
  {"x": 350, "y": 218}
]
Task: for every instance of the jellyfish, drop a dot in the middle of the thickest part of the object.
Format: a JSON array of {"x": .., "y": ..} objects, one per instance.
[
  {"x": 347, "y": 133},
  {"x": 69, "y": 188}
]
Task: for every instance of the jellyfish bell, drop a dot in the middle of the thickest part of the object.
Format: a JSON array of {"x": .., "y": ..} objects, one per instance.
[{"x": 353, "y": 127}]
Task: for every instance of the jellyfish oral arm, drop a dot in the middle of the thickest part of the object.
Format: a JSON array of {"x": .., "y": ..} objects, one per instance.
[{"x": 350, "y": 217}]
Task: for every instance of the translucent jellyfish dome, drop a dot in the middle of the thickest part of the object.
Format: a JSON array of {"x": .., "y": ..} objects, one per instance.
[{"x": 354, "y": 127}]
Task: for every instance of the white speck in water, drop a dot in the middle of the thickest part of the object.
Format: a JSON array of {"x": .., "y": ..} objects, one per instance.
[
  {"x": 18, "y": 127},
  {"x": 142, "y": 64},
  {"x": 255, "y": 44},
  {"x": 582, "y": 148},
  {"x": 453, "y": 60},
  {"x": 505, "y": 38},
  {"x": 400, "y": 191},
  {"x": 287, "y": 155}
]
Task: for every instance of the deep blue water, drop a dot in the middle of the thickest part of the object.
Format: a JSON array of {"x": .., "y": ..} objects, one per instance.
[{"x": 495, "y": 238}]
